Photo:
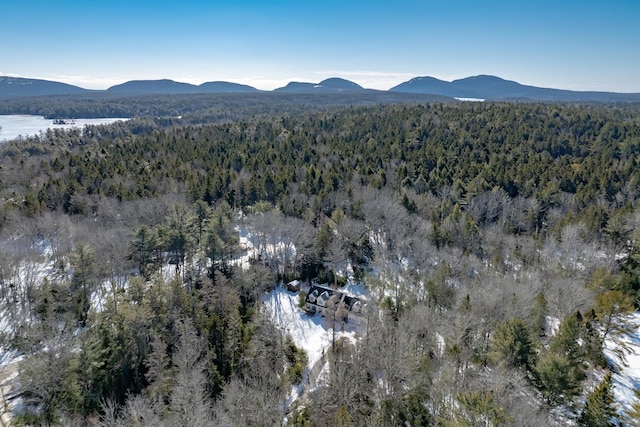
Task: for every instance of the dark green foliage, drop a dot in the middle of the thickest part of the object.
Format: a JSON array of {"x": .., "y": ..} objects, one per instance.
[
  {"x": 599, "y": 410},
  {"x": 565, "y": 342},
  {"x": 592, "y": 340},
  {"x": 138, "y": 159},
  {"x": 558, "y": 377},
  {"x": 479, "y": 408},
  {"x": 296, "y": 359},
  {"x": 144, "y": 250},
  {"x": 512, "y": 344},
  {"x": 539, "y": 314}
]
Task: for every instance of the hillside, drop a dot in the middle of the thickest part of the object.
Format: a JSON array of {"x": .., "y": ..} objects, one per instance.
[
  {"x": 495, "y": 88},
  {"x": 14, "y": 87},
  {"x": 225, "y": 87},
  {"x": 331, "y": 85},
  {"x": 152, "y": 87},
  {"x": 170, "y": 87}
]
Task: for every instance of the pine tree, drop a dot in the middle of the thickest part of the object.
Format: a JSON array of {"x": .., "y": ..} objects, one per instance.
[
  {"x": 83, "y": 263},
  {"x": 539, "y": 314},
  {"x": 480, "y": 409},
  {"x": 565, "y": 342},
  {"x": 599, "y": 411},
  {"x": 512, "y": 344},
  {"x": 558, "y": 377},
  {"x": 592, "y": 341},
  {"x": 611, "y": 308}
]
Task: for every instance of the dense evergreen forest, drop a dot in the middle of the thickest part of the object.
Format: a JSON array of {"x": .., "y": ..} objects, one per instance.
[
  {"x": 499, "y": 243},
  {"x": 198, "y": 108}
]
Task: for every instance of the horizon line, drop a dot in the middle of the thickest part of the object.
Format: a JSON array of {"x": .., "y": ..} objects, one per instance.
[{"x": 108, "y": 83}]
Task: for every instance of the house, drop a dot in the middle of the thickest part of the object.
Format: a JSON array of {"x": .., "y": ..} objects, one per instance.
[
  {"x": 317, "y": 299},
  {"x": 326, "y": 301}
]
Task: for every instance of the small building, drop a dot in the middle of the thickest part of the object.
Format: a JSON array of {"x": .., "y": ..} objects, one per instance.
[{"x": 293, "y": 286}]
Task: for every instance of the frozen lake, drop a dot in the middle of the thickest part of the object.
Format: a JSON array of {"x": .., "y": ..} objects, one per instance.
[{"x": 16, "y": 125}]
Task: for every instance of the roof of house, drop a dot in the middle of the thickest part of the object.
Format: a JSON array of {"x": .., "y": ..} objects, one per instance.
[{"x": 321, "y": 292}]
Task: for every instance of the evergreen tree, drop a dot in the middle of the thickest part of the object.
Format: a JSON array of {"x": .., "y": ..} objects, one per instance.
[
  {"x": 342, "y": 418},
  {"x": 539, "y": 314},
  {"x": 480, "y": 409},
  {"x": 599, "y": 410},
  {"x": 592, "y": 340},
  {"x": 512, "y": 344},
  {"x": 565, "y": 342},
  {"x": 558, "y": 378},
  {"x": 611, "y": 308},
  {"x": 82, "y": 283}
]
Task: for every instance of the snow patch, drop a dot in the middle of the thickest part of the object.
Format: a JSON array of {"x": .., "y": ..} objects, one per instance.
[
  {"x": 551, "y": 325},
  {"x": 356, "y": 289},
  {"x": 307, "y": 332},
  {"x": 624, "y": 354}
]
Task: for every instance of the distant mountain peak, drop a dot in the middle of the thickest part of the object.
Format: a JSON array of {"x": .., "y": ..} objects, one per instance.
[
  {"x": 162, "y": 86},
  {"x": 488, "y": 87},
  {"x": 225, "y": 87},
  {"x": 13, "y": 87},
  {"x": 330, "y": 85},
  {"x": 339, "y": 83},
  {"x": 426, "y": 78}
]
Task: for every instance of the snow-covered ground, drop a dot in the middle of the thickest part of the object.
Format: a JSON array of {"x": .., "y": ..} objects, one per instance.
[
  {"x": 313, "y": 333},
  {"x": 626, "y": 377},
  {"x": 249, "y": 251}
]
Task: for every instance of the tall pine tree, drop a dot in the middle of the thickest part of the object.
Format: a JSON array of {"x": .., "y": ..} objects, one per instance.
[{"x": 599, "y": 411}]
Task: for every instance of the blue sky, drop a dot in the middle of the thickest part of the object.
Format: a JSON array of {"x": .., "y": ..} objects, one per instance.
[{"x": 580, "y": 45}]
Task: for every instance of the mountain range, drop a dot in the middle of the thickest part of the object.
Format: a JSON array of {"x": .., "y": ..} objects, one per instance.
[
  {"x": 482, "y": 87},
  {"x": 494, "y": 88}
]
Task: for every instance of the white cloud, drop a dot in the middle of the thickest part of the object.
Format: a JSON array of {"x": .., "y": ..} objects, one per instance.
[
  {"x": 87, "y": 82},
  {"x": 9, "y": 74}
]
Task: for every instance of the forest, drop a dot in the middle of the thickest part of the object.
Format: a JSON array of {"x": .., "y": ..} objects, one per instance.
[{"x": 499, "y": 244}]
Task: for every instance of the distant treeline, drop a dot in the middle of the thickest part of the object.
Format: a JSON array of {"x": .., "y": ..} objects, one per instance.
[{"x": 197, "y": 108}]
